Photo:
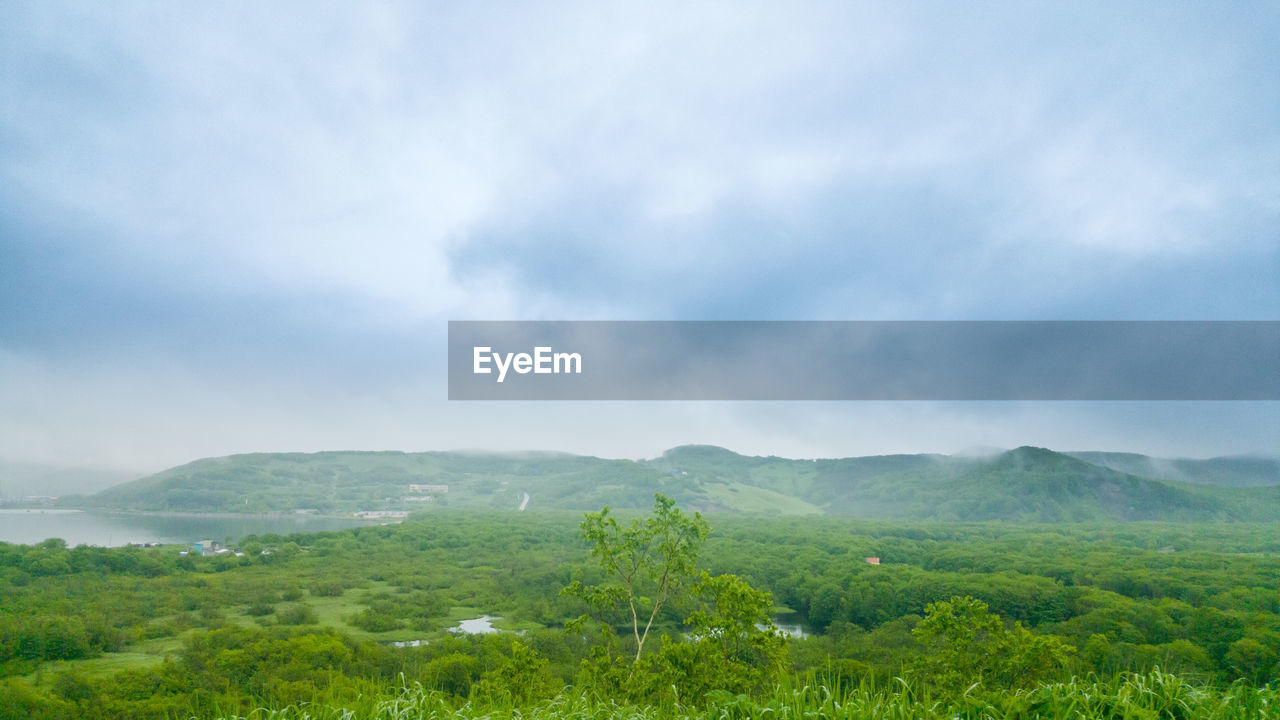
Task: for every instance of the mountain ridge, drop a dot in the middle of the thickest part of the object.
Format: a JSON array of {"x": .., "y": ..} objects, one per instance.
[{"x": 1026, "y": 484}]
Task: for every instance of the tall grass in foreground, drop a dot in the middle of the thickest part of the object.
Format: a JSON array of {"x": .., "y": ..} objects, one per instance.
[{"x": 1148, "y": 696}]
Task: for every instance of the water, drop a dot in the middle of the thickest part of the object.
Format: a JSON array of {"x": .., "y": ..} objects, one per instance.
[
  {"x": 476, "y": 626},
  {"x": 787, "y": 630},
  {"x": 787, "y": 627},
  {"x": 790, "y": 626},
  {"x": 482, "y": 625},
  {"x": 77, "y": 527}
]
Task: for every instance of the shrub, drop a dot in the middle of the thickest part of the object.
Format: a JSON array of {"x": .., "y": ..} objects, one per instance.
[
  {"x": 328, "y": 589},
  {"x": 371, "y": 620},
  {"x": 296, "y": 615},
  {"x": 260, "y": 608}
]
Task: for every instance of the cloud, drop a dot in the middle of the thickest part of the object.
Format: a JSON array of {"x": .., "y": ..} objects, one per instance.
[{"x": 306, "y": 192}]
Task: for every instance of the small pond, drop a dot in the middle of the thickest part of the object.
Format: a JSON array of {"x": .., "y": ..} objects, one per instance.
[
  {"x": 790, "y": 626},
  {"x": 407, "y": 643},
  {"x": 476, "y": 626}
]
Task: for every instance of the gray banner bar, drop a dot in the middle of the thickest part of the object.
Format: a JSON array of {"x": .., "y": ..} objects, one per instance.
[{"x": 996, "y": 360}]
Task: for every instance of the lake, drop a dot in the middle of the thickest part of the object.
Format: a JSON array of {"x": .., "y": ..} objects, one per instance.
[{"x": 85, "y": 527}]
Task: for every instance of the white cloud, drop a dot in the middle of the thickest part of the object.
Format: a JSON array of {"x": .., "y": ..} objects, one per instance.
[{"x": 1099, "y": 189}]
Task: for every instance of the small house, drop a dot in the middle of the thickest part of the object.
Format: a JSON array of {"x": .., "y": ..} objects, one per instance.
[
  {"x": 873, "y": 561},
  {"x": 205, "y": 548}
]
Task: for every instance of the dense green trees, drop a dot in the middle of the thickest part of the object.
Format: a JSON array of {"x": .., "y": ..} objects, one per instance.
[
  {"x": 966, "y": 646},
  {"x": 733, "y": 647},
  {"x": 1198, "y": 600}
]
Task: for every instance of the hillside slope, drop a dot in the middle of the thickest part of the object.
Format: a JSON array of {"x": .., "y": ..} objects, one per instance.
[{"x": 1025, "y": 485}]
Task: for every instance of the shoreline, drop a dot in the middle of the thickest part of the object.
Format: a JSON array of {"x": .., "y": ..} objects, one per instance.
[
  {"x": 225, "y": 515},
  {"x": 189, "y": 513}
]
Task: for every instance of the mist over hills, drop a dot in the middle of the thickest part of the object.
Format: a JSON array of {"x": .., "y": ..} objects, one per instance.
[
  {"x": 1026, "y": 484},
  {"x": 27, "y": 479},
  {"x": 1229, "y": 471}
]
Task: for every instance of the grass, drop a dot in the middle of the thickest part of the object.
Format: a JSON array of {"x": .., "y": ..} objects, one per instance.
[
  {"x": 101, "y": 666},
  {"x": 139, "y": 655},
  {"x": 516, "y": 625},
  {"x": 332, "y": 611},
  {"x": 159, "y": 646},
  {"x": 752, "y": 499},
  {"x": 458, "y": 613},
  {"x": 1150, "y": 696}
]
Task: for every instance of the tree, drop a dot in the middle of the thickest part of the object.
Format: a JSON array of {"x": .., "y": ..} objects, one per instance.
[
  {"x": 733, "y": 645},
  {"x": 651, "y": 560},
  {"x": 1251, "y": 660},
  {"x": 521, "y": 677},
  {"x": 966, "y": 644},
  {"x": 735, "y": 648},
  {"x": 963, "y": 641}
]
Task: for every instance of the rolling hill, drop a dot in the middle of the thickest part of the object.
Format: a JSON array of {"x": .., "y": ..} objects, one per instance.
[{"x": 1025, "y": 485}]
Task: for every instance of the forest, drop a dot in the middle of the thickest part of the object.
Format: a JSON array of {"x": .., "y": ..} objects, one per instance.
[{"x": 665, "y": 613}]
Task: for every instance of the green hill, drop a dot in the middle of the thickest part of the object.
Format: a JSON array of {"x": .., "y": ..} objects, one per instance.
[
  {"x": 1024, "y": 485},
  {"x": 344, "y": 482}
]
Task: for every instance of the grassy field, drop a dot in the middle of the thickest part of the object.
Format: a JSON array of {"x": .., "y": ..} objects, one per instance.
[
  {"x": 752, "y": 499},
  {"x": 103, "y": 666},
  {"x": 1150, "y": 696}
]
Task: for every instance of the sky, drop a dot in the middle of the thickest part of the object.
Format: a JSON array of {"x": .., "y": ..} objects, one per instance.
[{"x": 243, "y": 227}]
